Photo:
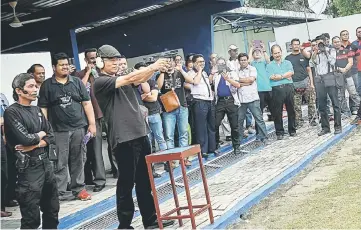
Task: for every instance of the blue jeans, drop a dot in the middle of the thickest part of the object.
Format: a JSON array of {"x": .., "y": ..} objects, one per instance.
[
  {"x": 179, "y": 117},
  {"x": 255, "y": 109},
  {"x": 248, "y": 119},
  {"x": 156, "y": 125}
]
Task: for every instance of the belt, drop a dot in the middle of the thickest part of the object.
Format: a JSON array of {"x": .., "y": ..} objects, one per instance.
[
  {"x": 282, "y": 86},
  {"x": 39, "y": 157},
  {"x": 226, "y": 98}
]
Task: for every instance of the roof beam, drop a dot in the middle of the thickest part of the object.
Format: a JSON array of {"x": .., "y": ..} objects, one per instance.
[{"x": 71, "y": 17}]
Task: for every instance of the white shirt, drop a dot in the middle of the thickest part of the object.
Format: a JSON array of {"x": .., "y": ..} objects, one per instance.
[
  {"x": 248, "y": 93},
  {"x": 233, "y": 65},
  {"x": 203, "y": 90}
]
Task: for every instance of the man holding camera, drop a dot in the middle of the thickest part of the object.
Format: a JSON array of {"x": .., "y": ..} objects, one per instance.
[
  {"x": 29, "y": 134},
  {"x": 324, "y": 59},
  {"x": 227, "y": 101},
  {"x": 94, "y": 170}
]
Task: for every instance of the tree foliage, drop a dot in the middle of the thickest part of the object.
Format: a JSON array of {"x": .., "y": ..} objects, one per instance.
[
  {"x": 346, "y": 7},
  {"x": 338, "y": 8}
]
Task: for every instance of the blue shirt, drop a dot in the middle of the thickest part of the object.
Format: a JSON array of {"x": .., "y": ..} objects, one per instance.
[
  {"x": 223, "y": 89},
  {"x": 282, "y": 68},
  {"x": 263, "y": 81}
]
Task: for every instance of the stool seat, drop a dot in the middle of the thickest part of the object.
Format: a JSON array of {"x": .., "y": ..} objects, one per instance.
[{"x": 180, "y": 154}]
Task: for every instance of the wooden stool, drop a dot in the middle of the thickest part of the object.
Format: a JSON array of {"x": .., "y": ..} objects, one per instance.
[{"x": 179, "y": 154}]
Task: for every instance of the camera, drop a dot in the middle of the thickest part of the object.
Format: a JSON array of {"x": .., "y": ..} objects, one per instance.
[
  {"x": 321, "y": 47},
  {"x": 222, "y": 68}
]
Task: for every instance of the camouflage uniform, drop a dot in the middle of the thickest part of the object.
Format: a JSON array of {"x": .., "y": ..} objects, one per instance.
[{"x": 310, "y": 96}]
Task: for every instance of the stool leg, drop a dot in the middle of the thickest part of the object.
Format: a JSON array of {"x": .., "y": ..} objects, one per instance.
[
  {"x": 205, "y": 185},
  {"x": 175, "y": 195},
  {"x": 155, "y": 197},
  {"x": 188, "y": 194}
]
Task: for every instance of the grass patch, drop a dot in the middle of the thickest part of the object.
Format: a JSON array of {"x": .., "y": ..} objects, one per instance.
[{"x": 337, "y": 205}]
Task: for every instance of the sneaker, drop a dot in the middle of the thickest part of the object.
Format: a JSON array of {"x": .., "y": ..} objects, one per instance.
[
  {"x": 251, "y": 130},
  {"x": 356, "y": 121},
  {"x": 154, "y": 225},
  {"x": 280, "y": 137},
  {"x": 354, "y": 112},
  {"x": 323, "y": 132},
  {"x": 84, "y": 195},
  {"x": 266, "y": 142},
  {"x": 293, "y": 134},
  {"x": 338, "y": 130}
]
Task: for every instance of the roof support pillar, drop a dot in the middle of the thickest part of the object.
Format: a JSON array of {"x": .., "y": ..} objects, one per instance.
[{"x": 74, "y": 45}]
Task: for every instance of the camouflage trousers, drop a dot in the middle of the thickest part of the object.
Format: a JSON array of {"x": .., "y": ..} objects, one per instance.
[{"x": 310, "y": 97}]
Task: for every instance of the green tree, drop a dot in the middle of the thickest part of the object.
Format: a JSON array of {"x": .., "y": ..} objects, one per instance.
[{"x": 345, "y": 7}]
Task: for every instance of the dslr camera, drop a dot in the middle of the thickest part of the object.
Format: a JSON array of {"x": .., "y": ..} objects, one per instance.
[
  {"x": 321, "y": 47},
  {"x": 223, "y": 68}
]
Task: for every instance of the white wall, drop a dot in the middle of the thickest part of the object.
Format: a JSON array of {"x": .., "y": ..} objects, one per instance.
[
  {"x": 14, "y": 64},
  {"x": 222, "y": 39},
  {"x": 331, "y": 26}
]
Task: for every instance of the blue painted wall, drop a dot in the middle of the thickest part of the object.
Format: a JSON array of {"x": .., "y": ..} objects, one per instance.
[{"x": 187, "y": 27}]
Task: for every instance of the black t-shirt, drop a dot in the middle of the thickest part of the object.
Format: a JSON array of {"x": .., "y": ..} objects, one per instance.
[
  {"x": 342, "y": 56},
  {"x": 64, "y": 103},
  {"x": 300, "y": 64},
  {"x": 21, "y": 125},
  {"x": 121, "y": 110},
  {"x": 176, "y": 81},
  {"x": 153, "y": 107}
]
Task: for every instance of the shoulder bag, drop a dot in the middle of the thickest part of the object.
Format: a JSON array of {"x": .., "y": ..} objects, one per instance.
[{"x": 170, "y": 99}]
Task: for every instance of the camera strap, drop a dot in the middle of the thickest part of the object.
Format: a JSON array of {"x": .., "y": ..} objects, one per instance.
[{"x": 208, "y": 86}]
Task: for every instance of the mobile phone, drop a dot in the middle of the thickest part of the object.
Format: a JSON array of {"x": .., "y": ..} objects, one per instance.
[
  {"x": 257, "y": 44},
  {"x": 306, "y": 44},
  {"x": 71, "y": 61}
]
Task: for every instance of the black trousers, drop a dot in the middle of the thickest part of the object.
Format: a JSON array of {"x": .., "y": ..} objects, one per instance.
[
  {"x": 265, "y": 99},
  {"x": 130, "y": 157},
  {"x": 283, "y": 94},
  {"x": 94, "y": 169},
  {"x": 322, "y": 93},
  {"x": 191, "y": 120},
  {"x": 205, "y": 127},
  {"x": 227, "y": 106},
  {"x": 37, "y": 187},
  {"x": 12, "y": 175},
  {"x": 112, "y": 160},
  {"x": 4, "y": 174}
]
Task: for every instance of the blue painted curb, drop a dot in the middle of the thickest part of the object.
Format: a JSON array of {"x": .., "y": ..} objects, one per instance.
[
  {"x": 103, "y": 206},
  {"x": 244, "y": 205}
]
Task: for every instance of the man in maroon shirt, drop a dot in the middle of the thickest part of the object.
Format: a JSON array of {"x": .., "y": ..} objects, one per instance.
[{"x": 94, "y": 169}]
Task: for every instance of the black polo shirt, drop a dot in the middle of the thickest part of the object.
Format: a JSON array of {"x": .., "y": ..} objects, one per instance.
[
  {"x": 121, "y": 110},
  {"x": 63, "y": 101},
  {"x": 300, "y": 64}
]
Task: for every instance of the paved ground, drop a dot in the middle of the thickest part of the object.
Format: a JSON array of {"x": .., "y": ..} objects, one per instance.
[
  {"x": 229, "y": 186},
  {"x": 325, "y": 195},
  {"x": 235, "y": 183}
]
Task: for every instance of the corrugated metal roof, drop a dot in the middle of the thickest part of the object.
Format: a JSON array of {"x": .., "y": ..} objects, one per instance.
[{"x": 26, "y": 7}]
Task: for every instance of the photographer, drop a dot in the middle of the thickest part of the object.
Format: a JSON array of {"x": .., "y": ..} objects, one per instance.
[
  {"x": 227, "y": 101},
  {"x": 344, "y": 62},
  {"x": 127, "y": 135},
  {"x": 29, "y": 134},
  {"x": 324, "y": 59}
]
